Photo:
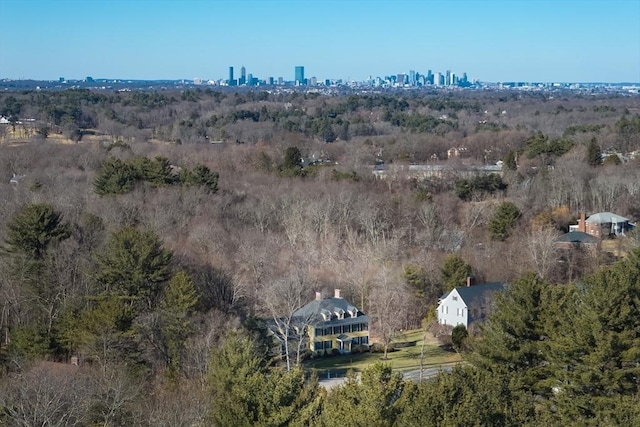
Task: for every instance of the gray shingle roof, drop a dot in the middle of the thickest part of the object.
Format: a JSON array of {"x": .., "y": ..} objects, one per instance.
[
  {"x": 606, "y": 217},
  {"x": 577, "y": 237},
  {"x": 330, "y": 306},
  {"x": 474, "y": 293}
]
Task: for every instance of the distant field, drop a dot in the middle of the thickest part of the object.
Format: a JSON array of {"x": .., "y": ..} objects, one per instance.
[{"x": 403, "y": 359}]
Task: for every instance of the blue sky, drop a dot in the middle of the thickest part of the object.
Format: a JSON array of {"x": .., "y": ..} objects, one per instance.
[{"x": 499, "y": 40}]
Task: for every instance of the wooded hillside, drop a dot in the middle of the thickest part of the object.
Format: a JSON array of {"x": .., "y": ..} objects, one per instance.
[{"x": 140, "y": 228}]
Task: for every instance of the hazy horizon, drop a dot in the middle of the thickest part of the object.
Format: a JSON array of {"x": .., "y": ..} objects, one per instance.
[{"x": 493, "y": 41}]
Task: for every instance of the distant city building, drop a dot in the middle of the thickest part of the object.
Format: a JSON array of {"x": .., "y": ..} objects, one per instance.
[
  {"x": 243, "y": 76},
  {"x": 232, "y": 82},
  {"x": 413, "y": 77},
  {"x": 437, "y": 79},
  {"x": 299, "y": 75}
]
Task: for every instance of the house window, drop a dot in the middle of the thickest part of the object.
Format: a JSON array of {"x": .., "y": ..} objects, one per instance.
[
  {"x": 317, "y": 345},
  {"x": 454, "y": 298},
  {"x": 319, "y": 332},
  {"x": 365, "y": 326},
  {"x": 327, "y": 344},
  {"x": 356, "y": 327},
  {"x": 346, "y": 329},
  {"x": 327, "y": 331},
  {"x": 336, "y": 330}
]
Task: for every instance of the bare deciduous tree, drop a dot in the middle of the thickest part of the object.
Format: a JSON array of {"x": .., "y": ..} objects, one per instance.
[
  {"x": 46, "y": 395},
  {"x": 281, "y": 299},
  {"x": 542, "y": 251},
  {"x": 387, "y": 308}
]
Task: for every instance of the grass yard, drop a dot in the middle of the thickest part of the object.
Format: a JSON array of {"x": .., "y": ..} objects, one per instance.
[{"x": 402, "y": 359}]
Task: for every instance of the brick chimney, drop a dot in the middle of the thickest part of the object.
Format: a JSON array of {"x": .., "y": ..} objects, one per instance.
[
  {"x": 318, "y": 296},
  {"x": 336, "y": 293},
  {"x": 582, "y": 223},
  {"x": 471, "y": 281}
]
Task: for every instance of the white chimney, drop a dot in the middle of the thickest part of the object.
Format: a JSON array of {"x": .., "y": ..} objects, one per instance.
[
  {"x": 337, "y": 293},
  {"x": 318, "y": 296}
]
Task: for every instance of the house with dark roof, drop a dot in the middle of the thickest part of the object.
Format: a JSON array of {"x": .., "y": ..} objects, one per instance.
[
  {"x": 334, "y": 324},
  {"x": 468, "y": 304},
  {"x": 578, "y": 240}
]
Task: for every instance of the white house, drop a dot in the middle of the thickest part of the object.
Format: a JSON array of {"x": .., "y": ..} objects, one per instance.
[{"x": 467, "y": 304}]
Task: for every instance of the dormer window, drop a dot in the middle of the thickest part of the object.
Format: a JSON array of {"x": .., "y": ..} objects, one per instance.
[
  {"x": 340, "y": 313},
  {"x": 326, "y": 315},
  {"x": 353, "y": 312}
]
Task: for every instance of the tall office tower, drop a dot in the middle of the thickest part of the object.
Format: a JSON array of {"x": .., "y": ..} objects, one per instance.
[
  {"x": 412, "y": 77},
  {"x": 243, "y": 76},
  {"x": 280, "y": 81},
  {"x": 299, "y": 75},
  {"x": 429, "y": 77},
  {"x": 447, "y": 78},
  {"x": 454, "y": 79},
  {"x": 401, "y": 79},
  {"x": 436, "y": 79},
  {"x": 231, "y": 81},
  {"x": 271, "y": 81}
]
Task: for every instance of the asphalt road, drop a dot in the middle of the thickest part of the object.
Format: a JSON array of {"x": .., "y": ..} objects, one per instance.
[{"x": 329, "y": 383}]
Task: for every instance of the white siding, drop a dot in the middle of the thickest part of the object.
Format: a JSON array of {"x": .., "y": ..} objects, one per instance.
[{"x": 452, "y": 310}]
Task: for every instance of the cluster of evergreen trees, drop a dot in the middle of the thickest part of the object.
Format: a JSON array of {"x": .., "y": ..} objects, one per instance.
[{"x": 119, "y": 177}]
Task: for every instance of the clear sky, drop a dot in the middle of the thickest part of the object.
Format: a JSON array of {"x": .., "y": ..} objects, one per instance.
[{"x": 491, "y": 40}]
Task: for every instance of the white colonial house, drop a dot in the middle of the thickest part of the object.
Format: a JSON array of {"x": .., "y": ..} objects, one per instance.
[{"x": 467, "y": 304}]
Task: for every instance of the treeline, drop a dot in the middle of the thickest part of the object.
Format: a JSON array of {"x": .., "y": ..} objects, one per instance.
[{"x": 428, "y": 124}]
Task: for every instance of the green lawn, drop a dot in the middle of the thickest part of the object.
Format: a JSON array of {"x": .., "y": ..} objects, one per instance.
[{"x": 403, "y": 359}]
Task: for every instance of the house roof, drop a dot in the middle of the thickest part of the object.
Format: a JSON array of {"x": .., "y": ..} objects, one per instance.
[
  {"x": 606, "y": 217},
  {"x": 577, "y": 237},
  {"x": 476, "y": 293},
  {"x": 329, "y": 307}
]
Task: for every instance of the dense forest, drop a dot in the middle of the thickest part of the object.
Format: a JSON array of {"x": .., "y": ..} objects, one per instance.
[{"x": 145, "y": 235}]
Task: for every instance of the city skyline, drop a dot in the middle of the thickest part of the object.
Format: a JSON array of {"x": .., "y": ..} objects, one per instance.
[{"x": 494, "y": 41}]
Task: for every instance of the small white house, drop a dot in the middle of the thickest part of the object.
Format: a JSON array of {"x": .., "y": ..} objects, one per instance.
[{"x": 467, "y": 304}]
